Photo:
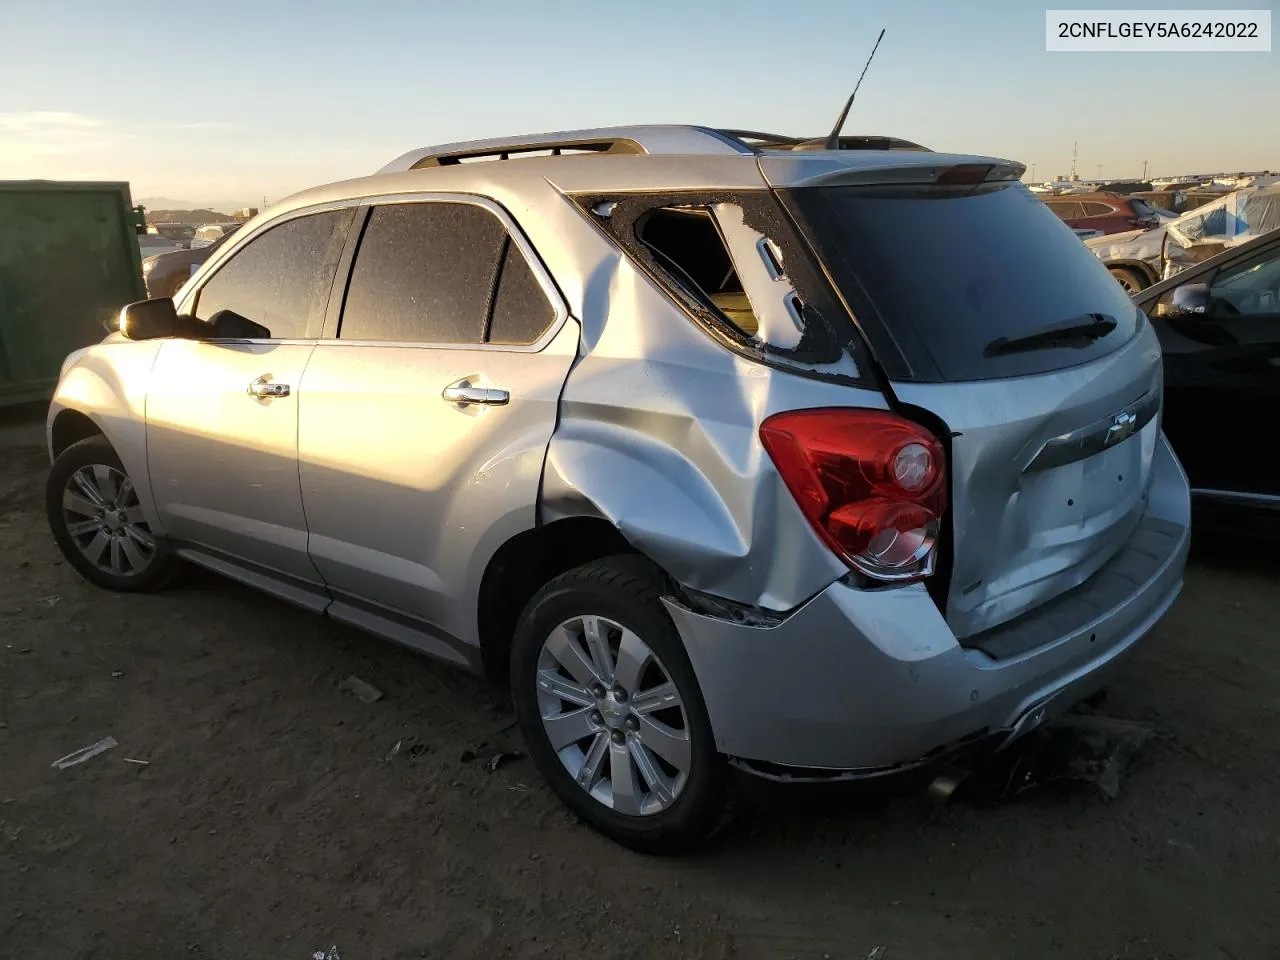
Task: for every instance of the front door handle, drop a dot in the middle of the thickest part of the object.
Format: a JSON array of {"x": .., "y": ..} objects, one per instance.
[
  {"x": 264, "y": 389},
  {"x": 464, "y": 392}
]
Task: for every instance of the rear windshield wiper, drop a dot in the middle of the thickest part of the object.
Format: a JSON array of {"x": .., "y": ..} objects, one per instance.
[{"x": 1076, "y": 332}]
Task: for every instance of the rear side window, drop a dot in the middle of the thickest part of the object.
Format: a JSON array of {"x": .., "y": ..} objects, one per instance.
[
  {"x": 1096, "y": 209},
  {"x": 282, "y": 277},
  {"x": 442, "y": 272},
  {"x": 423, "y": 274},
  {"x": 957, "y": 279},
  {"x": 1067, "y": 210},
  {"x": 688, "y": 242}
]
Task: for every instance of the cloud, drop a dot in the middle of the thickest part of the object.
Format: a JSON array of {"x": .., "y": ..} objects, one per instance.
[
  {"x": 52, "y": 144},
  {"x": 206, "y": 125},
  {"x": 48, "y": 122}
]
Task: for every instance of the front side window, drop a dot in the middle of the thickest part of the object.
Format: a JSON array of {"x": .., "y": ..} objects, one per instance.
[
  {"x": 282, "y": 277},
  {"x": 1251, "y": 288}
]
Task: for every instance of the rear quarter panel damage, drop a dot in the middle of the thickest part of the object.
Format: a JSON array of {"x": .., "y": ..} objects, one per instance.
[{"x": 658, "y": 434}]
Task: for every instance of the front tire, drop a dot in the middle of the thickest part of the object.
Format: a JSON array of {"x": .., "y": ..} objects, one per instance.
[
  {"x": 611, "y": 710},
  {"x": 98, "y": 523}
]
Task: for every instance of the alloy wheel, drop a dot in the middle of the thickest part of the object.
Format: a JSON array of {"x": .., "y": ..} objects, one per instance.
[
  {"x": 104, "y": 519},
  {"x": 614, "y": 716}
]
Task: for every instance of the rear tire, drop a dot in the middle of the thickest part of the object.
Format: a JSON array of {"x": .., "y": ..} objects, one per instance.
[
  {"x": 98, "y": 523},
  {"x": 1131, "y": 280},
  {"x": 634, "y": 755}
]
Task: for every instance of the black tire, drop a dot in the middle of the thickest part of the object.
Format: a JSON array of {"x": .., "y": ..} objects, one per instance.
[
  {"x": 1131, "y": 280},
  {"x": 627, "y": 590},
  {"x": 160, "y": 563}
]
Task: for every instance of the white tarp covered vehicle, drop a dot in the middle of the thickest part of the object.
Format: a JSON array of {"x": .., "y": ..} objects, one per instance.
[{"x": 1140, "y": 258}]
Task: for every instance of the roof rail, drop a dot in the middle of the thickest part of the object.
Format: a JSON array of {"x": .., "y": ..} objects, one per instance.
[
  {"x": 638, "y": 140},
  {"x": 633, "y": 141}
]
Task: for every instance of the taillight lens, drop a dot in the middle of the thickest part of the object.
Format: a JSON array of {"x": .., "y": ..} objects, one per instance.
[{"x": 873, "y": 485}]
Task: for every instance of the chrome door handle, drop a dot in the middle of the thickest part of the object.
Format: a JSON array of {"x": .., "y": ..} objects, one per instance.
[
  {"x": 264, "y": 389},
  {"x": 463, "y": 392}
]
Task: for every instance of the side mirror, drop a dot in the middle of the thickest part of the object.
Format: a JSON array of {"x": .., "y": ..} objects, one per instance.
[
  {"x": 146, "y": 320},
  {"x": 1190, "y": 299},
  {"x": 229, "y": 325}
]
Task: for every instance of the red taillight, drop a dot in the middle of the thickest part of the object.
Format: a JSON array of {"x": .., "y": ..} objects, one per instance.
[{"x": 872, "y": 484}]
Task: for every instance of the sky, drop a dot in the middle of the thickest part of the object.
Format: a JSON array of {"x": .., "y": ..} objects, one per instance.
[{"x": 225, "y": 100}]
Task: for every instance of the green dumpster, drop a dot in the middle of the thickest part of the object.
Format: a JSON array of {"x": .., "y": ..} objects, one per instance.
[{"x": 68, "y": 259}]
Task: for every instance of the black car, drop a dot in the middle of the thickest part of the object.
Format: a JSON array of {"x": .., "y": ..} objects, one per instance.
[{"x": 1219, "y": 326}]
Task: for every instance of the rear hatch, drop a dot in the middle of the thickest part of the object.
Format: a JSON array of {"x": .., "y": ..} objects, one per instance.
[{"x": 985, "y": 311}]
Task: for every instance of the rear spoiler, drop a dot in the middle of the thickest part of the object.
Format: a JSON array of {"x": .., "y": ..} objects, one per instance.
[{"x": 907, "y": 168}]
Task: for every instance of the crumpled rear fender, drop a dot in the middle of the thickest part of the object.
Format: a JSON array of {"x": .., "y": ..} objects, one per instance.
[{"x": 744, "y": 539}]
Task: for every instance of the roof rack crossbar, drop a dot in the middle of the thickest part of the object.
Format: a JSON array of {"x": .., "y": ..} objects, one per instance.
[{"x": 505, "y": 151}]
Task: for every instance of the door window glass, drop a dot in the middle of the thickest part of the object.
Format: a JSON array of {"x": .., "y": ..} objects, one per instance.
[
  {"x": 521, "y": 311},
  {"x": 1251, "y": 288},
  {"x": 424, "y": 273},
  {"x": 281, "y": 278}
]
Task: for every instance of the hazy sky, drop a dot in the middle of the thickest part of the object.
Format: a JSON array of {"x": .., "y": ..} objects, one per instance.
[{"x": 209, "y": 100}]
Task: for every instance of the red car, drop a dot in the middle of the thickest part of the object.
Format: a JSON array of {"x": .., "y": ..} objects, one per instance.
[{"x": 1108, "y": 212}]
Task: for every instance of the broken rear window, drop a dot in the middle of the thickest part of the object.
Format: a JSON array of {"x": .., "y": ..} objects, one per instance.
[{"x": 735, "y": 263}]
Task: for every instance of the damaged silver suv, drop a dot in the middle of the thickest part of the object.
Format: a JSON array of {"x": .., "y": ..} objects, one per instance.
[{"x": 721, "y": 449}]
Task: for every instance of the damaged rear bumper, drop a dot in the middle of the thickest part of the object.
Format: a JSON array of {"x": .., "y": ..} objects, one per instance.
[{"x": 864, "y": 683}]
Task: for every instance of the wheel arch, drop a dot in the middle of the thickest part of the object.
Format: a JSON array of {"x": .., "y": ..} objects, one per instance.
[
  {"x": 1137, "y": 266},
  {"x": 70, "y": 426},
  {"x": 102, "y": 391},
  {"x": 523, "y": 565}
]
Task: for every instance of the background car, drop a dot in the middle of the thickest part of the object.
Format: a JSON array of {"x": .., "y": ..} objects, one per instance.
[
  {"x": 166, "y": 272},
  {"x": 211, "y": 232},
  {"x": 1219, "y": 328},
  {"x": 1108, "y": 212},
  {"x": 179, "y": 233},
  {"x": 1139, "y": 258},
  {"x": 151, "y": 244}
]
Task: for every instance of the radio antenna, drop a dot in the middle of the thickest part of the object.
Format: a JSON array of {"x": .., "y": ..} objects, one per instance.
[{"x": 833, "y": 141}]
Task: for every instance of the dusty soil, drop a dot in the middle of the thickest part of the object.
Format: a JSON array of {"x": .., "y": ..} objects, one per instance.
[{"x": 274, "y": 820}]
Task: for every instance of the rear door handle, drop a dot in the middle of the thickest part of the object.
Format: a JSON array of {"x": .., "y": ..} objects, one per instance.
[
  {"x": 264, "y": 389},
  {"x": 463, "y": 392}
]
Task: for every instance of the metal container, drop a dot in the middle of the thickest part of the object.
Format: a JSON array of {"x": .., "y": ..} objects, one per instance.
[{"x": 68, "y": 259}]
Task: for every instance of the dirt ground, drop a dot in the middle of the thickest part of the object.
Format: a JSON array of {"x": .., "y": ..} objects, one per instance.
[{"x": 274, "y": 817}]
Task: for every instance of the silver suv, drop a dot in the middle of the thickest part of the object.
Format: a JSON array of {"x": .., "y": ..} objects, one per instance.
[{"x": 721, "y": 449}]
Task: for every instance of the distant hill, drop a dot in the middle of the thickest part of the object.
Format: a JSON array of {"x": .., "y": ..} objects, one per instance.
[
  {"x": 187, "y": 216},
  {"x": 168, "y": 203}
]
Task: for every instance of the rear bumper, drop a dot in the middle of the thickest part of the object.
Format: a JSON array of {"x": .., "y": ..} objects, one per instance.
[{"x": 869, "y": 682}]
